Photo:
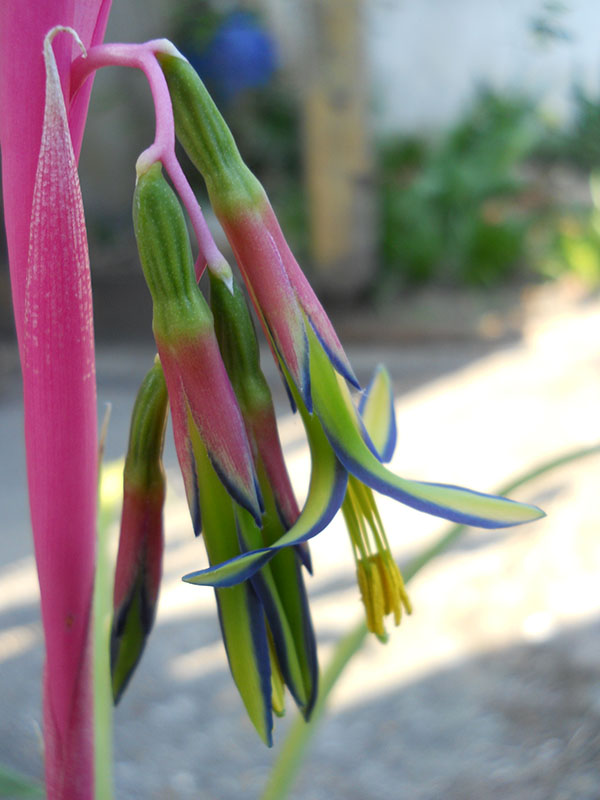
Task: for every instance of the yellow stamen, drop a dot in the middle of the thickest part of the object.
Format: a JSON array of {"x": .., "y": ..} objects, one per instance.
[
  {"x": 371, "y": 591},
  {"x": 379, "y": 578}
]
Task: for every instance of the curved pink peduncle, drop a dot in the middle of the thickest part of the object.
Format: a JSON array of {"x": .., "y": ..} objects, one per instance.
[{"x": 143, "y": 57}]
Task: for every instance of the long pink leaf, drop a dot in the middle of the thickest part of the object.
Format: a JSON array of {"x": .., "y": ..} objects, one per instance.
[
  {"x": 23, "y": 25},
  {"x": 61, "y": 442},
  {"x": 44, "y": 222}
]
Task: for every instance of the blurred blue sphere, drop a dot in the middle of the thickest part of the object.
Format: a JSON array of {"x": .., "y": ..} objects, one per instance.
[{"x": 240, "y": 56}]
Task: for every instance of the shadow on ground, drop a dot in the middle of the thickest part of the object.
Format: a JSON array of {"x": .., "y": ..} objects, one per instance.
[{"x": 521, "y": 722}]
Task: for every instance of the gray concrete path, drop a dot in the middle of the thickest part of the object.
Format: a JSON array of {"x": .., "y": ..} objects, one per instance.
[{"x": 490, "y": 690}]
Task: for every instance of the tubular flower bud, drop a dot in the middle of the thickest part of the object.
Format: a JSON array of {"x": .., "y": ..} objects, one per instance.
[
  {"x": 284, "y": 300},
  {"x": 239, "y": 348},
  {"x": 287, "y": 596},
  {"x": 200, "y": 394},
  {"x": 139, "y": 559}
]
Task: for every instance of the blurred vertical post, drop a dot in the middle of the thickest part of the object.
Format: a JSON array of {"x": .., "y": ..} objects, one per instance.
[{"x": 338, "y": 158}]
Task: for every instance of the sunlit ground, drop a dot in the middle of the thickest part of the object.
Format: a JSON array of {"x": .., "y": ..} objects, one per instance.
[{"x": 490, "y": 689}]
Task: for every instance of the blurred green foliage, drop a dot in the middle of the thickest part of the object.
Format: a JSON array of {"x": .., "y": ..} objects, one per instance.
[
  {"x": 578, "y": 145},
  {"x": 574, "y": 242},
  {"x": 475, "y": 206},
  {"x": 456, "y": 210},
  {"x": 13, "y": 785}
]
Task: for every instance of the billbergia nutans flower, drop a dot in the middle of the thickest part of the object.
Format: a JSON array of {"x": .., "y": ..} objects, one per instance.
[
  {"x": 229, "y": 451},
  {"x": 308, "y": 352},
  {"x": 284, "y": 299}
]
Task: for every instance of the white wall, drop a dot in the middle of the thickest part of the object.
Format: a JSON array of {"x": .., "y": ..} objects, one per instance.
[{"x": 428, "y": 56}]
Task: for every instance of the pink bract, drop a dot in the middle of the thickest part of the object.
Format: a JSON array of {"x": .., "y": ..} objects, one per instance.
[{"x": 53, "y": 316}]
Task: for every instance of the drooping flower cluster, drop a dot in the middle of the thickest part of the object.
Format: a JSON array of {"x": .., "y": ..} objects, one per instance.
[
  {"x": 238, "y": 490},
  {"x": 208, "y": 376}
]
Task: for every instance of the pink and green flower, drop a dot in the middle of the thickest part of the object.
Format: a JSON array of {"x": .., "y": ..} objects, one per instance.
[
  {"x": 200, "y": 394},
  {"x": 138, "y": 568},
  {"x": 316, "y": 370}
]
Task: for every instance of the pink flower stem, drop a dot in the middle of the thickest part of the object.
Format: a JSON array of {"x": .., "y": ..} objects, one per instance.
[{"x": 142, "y": 56}]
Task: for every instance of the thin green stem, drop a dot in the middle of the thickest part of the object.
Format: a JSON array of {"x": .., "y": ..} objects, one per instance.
[
  {"x": 103, "y": 702},
  {"x": 290, "y": 756},
  {"x": 13, "y": 785},
  {"x": 102, "y": 615},
  {"x": 289, "y": 760}
]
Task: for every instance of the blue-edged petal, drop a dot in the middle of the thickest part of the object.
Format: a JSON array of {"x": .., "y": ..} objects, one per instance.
[
  {"x": 285, "y": 567},
  {"x": 311, "y": 306},
  {"x": 376, "y": 407},
  {"x": 292, "y": 591},
  {"x": 242, "y": 621},
  {"x": 288, "y": 645},
  {"x": 241, "y": 613},
  {"x": 220, "y": 424},
  {"x": 341, "y": 423},
  {"x": 326, "y": 492},
  {"x": 268, "y": 285}
]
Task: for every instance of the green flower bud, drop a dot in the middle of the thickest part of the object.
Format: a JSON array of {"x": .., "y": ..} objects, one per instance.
[
  {"x": 238, "y": 344},
  {"x": 139, "y": 560},
  {"x": 166, "y": 257},
  {"x": 205, "y": 135}
]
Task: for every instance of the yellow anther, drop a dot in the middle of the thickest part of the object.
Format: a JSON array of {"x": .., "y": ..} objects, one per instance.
[
  {"x": 379, "y": 578},
  {"x": 371, "y": 591},
  {"x": 389, "y": 584},
  {"x": 398, "y": 596}
]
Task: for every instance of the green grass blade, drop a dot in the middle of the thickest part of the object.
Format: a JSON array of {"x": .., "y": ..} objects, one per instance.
[
  {"x": 110, "y": 498},
  {"x": 14, "y": 785}
]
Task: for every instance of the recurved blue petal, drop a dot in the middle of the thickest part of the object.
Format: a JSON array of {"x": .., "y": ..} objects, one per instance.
[
  {"x": 342, "y": 426},
  {"x": 326, "y": 492},
  {"x": 376, "y": 407}
]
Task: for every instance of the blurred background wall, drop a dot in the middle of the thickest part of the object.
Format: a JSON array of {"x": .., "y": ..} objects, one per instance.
[
  {"x": 429, "y": 58},
  {"x": 426, "y": 59}
]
